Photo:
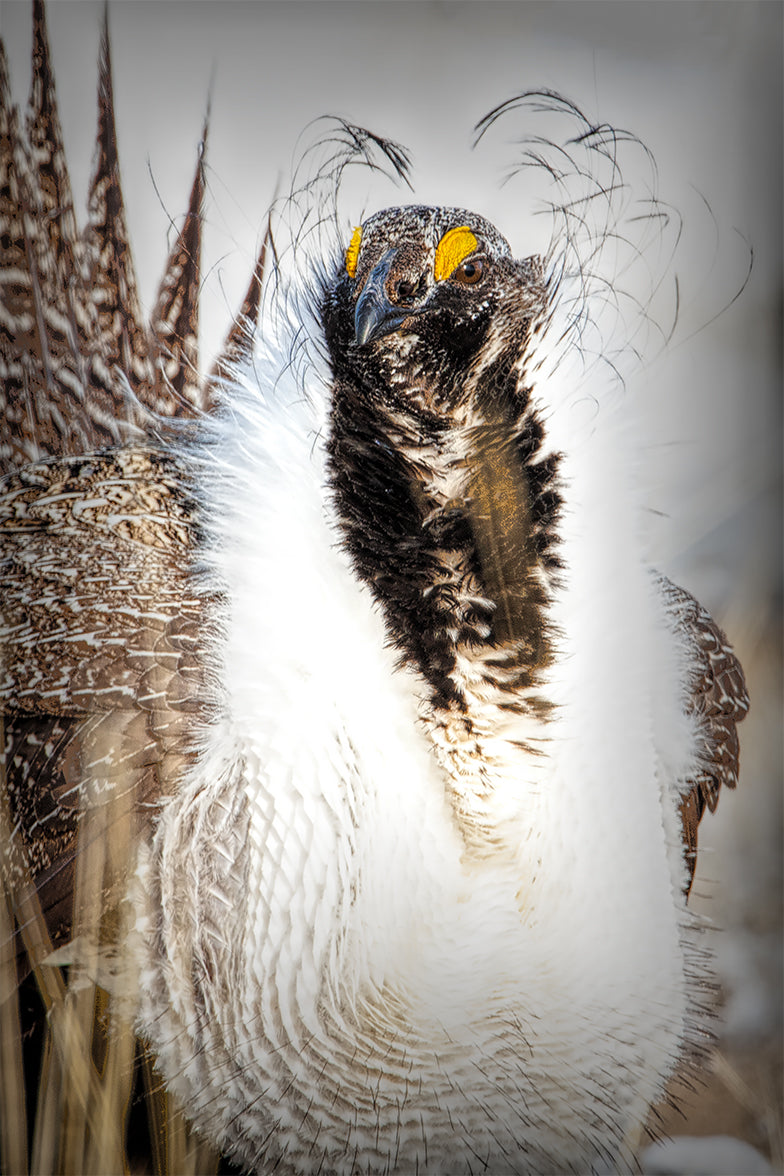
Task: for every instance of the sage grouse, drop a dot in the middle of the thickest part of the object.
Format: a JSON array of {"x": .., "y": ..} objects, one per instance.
[{"x": 354, "y": 753}]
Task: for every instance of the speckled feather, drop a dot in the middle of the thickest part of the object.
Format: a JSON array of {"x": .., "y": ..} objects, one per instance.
[
  {"x": 718, "y": 700},
  {"x": 97, "y": 598}
]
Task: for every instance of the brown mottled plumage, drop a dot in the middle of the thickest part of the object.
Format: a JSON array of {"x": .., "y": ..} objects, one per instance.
[
  {"x": 87, "y": 592},
  {"x": 101, "y": 627},
  {"x": 718, "y": 699}
]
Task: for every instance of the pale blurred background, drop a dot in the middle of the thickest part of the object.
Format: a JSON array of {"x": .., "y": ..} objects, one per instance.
[{"x": 701, "y": 85}]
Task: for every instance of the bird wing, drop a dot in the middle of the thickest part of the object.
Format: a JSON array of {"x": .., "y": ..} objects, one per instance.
[
  {"x": 717, "y": 698},
  {"x": 100, "y": 627}
]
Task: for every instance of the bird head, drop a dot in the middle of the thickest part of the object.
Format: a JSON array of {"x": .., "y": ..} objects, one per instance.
[{"x": 424, "y": 298}]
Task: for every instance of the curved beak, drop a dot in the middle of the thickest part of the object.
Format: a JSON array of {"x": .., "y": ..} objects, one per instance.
[{"x": 375, "y": 316}]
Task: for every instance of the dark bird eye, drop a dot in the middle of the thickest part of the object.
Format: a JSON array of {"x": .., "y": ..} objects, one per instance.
[{"x": 469, "y": 273}]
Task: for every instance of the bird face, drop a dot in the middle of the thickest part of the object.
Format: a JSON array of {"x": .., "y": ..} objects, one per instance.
[
  {"x": 418, "y": 297},
  {"x": 438, "y": 263}
]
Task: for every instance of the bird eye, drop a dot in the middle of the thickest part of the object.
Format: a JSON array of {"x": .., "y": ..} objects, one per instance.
[{"x": 468, "y": 273}]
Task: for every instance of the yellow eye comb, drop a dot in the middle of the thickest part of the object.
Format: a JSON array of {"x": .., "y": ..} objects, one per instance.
[
  {"x": 352, "y": 253},
  {"x": 453, "y": 248}
]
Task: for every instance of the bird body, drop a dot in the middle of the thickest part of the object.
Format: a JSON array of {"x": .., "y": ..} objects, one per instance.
[
  {"x": 353, "y": 746},
  {"x": 416, "y": 945}
]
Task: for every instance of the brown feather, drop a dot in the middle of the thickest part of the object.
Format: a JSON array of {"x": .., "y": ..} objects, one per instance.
[
  {"x": 120, "y": 341},
  {"x": 95, "y": 562},
  {"x": 718, "y": 698},
  {"x": 60, "y": 392},
  {"x": 42, "y": 296},
  {"x": 175, "y": 318},
  {"x": 99, "y": 618}
]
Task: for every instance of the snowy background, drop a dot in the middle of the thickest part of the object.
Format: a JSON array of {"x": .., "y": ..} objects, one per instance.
[{"x": 701, "y": 85}]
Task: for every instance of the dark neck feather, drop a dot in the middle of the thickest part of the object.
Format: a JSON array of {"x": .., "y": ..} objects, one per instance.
[{"x": 459, "y": 575}]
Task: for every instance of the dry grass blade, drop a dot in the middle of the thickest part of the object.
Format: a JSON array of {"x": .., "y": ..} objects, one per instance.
[
  {"x": 13, "y": 1114},
  {"x": 88, "y": 1128},
  {"x": 117, "y": 1078},
  {"x": 23, "y": 901},
  {"x": 87, "y": 1058},
  {"x": 46, "y": 1133},
  {"x": 176, "y": 1149}
]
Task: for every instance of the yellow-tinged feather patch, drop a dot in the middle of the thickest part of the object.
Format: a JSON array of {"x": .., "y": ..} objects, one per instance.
[
  {"x": 352, "y": 253},
  {"x": 453, "y": 248}
]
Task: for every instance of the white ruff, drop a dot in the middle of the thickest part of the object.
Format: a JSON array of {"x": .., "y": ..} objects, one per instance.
[{"x": 330, "y": 980}]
